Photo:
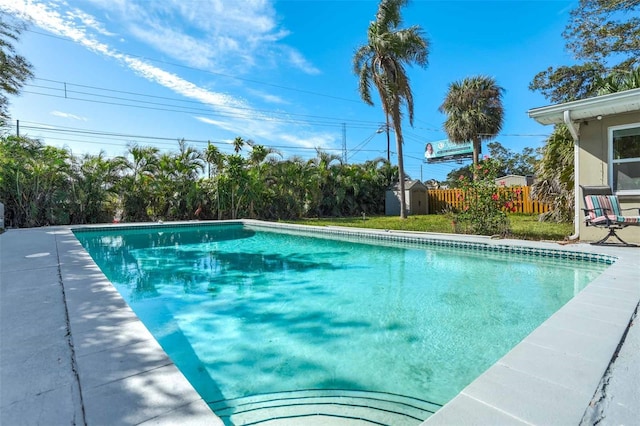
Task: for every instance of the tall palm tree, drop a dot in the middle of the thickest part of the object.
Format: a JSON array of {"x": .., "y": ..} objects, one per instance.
[
  {"x": 144, "y": 162},
  {"x": 136, "y": 186},
  {"x": 382, "y": 61},
  {"x": 188, "y": 162},
  {"x": 238, "y": 143},
  {"x": 214, "y": 159},
  {"x": 94, "y": 186},
  {"x": 180, "y": 181},
  {"x": 474, "y": 111},
  {"x": 258, "y": 161},
  {"x": 326, "y": 168},
  {"x": 236, "y": 172},
  {"x": 260, "y": 153}
]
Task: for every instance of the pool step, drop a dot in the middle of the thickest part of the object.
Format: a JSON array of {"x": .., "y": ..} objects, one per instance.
[{"x": 321, "y": 407}]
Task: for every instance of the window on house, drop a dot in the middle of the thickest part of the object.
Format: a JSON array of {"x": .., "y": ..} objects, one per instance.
[{"x": 624, "y": 164}]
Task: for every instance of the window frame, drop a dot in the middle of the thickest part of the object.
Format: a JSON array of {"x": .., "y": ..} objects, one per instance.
[{"x": 611, "y": 161}]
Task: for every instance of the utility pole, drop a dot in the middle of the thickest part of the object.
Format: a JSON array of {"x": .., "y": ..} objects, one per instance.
[
  {"x": 344, "y": 143},
  {"x": 386, "y": 130},
  {"x": 18, "y": 128},
  {"x": 388, "y": 147}
]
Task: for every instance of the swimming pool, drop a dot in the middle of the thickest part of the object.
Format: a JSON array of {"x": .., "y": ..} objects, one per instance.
[{"x": 395, "y": 326}]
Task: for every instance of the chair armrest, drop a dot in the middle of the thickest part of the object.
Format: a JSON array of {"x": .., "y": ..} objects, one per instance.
[
  {"x": 604, "y": 210},
  {"x": 633, "y": 208}
]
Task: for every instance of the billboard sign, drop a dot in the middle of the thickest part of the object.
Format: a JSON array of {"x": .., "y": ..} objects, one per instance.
[{"x": 446, "y": 150}]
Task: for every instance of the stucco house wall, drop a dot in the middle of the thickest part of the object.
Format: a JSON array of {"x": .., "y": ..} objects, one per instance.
[
  {"x": 590, "y": 122},
  {"x": 594, "y": 169}
]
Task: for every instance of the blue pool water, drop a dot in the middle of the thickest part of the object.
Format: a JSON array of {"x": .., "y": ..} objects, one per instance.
[{"x": 250, "y": 312}]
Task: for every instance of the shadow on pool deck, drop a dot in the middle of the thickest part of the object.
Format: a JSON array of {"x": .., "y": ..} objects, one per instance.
[{"x": 73, "y": 352}]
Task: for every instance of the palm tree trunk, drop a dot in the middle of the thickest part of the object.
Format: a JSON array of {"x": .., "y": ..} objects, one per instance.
[
  {"x": 218, "y": 198},
  {"x": 399, "y": 143},
  {"x": 233, "y": 209},
  {"x": 476, "y": 157}
]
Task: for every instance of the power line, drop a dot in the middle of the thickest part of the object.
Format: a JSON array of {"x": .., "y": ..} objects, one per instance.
[
  {"x": 101, "y": 134},
  {"x": 231, "y": 111},
  {"x": 201, "y": 112},
  {"x": 64, "y": 89},
  {"x": 133, "y": 138},
  {"x": 359, "y": 147},
  {"x": 308, "y": 92}
]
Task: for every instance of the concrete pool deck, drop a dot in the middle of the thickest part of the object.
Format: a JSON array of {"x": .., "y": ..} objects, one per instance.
[{"x": 73, "y": 352}]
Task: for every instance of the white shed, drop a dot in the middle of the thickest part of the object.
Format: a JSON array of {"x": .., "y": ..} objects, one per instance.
[{"x": 415, "y": 196}]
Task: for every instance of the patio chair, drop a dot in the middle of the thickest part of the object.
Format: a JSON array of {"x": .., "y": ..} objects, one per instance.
[{"x": 602, "y": 209}]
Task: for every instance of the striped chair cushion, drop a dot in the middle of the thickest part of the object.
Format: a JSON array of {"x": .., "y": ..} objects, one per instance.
[{"x": 603, "y": 208}]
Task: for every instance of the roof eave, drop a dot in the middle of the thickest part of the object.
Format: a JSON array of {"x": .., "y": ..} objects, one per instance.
[{"x": 612, "y": 103}]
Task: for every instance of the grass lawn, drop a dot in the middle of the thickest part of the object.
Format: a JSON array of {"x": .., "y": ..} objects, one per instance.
[{"x": 523, "y": 226}]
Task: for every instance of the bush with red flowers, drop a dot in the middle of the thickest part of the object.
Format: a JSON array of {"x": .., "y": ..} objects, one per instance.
[{"x": 484, "y": 205}]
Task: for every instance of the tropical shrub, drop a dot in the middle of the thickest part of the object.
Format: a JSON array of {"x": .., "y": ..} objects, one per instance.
[
  {"x": 34, "y": 182},
  {"x": 484, "y": 205},
  {"x": 43, "y": 185},
  {"x": 555, "y": 176}
]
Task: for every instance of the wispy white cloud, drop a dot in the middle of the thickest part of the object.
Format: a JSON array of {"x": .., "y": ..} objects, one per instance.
[
  {"x": 176, "y": 44},
  {"x": 227, "y": 36},
  {"x": 179, "y": 85},
  {"x": 273, "y": 131},
  {"x": 68, "y": 115},
  {"x": 89, "y": 21},
  {"x": 230, "y": 126},
  {"x": 268, "y": 97},
  {"x": 239, "y": 117},
  {"x": 311, "y": 140},
  {"x": 300, "y": 62},
  {"x": 47, "y": 16}
]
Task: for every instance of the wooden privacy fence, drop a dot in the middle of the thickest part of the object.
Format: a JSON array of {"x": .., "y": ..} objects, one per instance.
[{"x": 445, "y": 199}]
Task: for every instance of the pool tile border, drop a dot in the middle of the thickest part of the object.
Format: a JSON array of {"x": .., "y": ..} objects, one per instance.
[
  {"x": 363, "y": 234},
  {"x": 429, "y": 240}
]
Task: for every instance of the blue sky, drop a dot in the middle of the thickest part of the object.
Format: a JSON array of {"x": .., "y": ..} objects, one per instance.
[{"x": 279, "y": 72}]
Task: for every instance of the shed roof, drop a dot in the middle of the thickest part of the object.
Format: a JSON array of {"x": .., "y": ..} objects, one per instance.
[
  {"x": 414, "y": 184},
  {"x": 613, "y": 103},
  {"x": 512, "y": 176},
  {"x": 409, "y": 184}
]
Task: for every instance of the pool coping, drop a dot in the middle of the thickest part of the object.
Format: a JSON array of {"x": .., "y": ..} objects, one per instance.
[{"x": 549, "y": 378}]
